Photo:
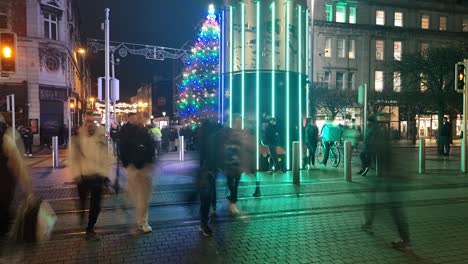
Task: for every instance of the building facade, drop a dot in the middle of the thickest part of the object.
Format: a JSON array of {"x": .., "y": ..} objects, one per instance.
[
  {"x": 353, "y": 40},
  {"x": 50, "y": 68}
]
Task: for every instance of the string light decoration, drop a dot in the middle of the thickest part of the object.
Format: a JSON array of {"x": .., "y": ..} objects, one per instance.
[{"x": 197, "y": 98}]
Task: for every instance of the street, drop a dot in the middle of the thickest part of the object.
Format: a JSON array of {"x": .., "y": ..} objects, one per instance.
[{"x": 317, "y": 222}]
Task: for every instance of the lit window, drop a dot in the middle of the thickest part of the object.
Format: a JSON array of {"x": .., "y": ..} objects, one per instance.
[
  {"x": 423, "y": 84},
  {"x": 379, "y": 50},
  {"x": 329, "y": 13},
  {"x": 351, "y": 81},
  {"x": 339, "y": 80},
  {"x": 443, "y": 23},
  {"x": 398, "y": 19},
  {"x": 380, "y": 17},
  {"x": 328, "y": 48},
  {"x": 424, "y": 48},
  {"x": 396, "y": 82},
  {"x": 397, "y": 50},
  {"x": 352, "y": 51},
  {"x": 425, "y": 21},
  {"x": 341, "y": 48},
  {"x": 50, "y": 26},
  {"x": 341, "y": 13},
  {"x": 352, "y": 15},
  {"x": 465, "y": 25},
  {"x": 378, "y": 81}
]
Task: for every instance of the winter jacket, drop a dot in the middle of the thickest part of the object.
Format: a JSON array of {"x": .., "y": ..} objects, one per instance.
[
  {"x": 89, "y": 155},
  {"x": 272, "y": 135},
  {"x": 446, "y": 130},
  {"x": 137, "y": 146},
  {"x": 311, "y": 135}
]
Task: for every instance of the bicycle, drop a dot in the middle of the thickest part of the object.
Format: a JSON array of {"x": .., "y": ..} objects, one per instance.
[{"x": 334, "y": 156}]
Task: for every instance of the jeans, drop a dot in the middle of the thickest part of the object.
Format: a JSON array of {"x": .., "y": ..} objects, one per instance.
[
  {"x": 327, "y": 145},
  {"x": 28, "y": 148},
  {"x": 233, "y": 178},
  {"x": 207, "y": 190},
  {"x": 445, "y": 141},
  {"x": 274, "y": 156},
  {"x": 366, "y": 159},
  {"x": 140, "y": 188},
  {"x": 94, "y": 185},
  {"x": 311, "y": 158}
]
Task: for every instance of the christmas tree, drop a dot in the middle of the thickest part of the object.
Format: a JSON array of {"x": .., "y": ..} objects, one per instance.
[{"x": 197, "y": 98}]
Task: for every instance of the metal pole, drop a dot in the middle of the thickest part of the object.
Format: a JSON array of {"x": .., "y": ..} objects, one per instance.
[
  {"x": 55, "y": 154},
  {"x": 181, "y": 148},
  {"x": 13, "y": 117},
  {"x": 347, "y": 161},
  {"x": 69, "y": 124},
  {"x": 464, "y": 143},
  {"x": 365, "y": 110},
  {"x": 106, "y": 63},
  {"x": 296, "y": 163},
  {"x": 422, "y": 156}
]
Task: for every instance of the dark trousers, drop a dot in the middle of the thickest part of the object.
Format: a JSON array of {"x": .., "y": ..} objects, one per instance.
[
  {"x": 91, "y": 185},
  {"x": 233, "y": 179},
  {"x": 327, "y": 145},
  {"x": 366, "y": 159},
  {"x": 158, "y": 147},
  {"x": 28, "y": 148},
  {"x": 207, "y": 190},
  {"x": 274, "y": 156},
  {"x": 445, "y": 141},
  {"x": 311, "y": 157}
]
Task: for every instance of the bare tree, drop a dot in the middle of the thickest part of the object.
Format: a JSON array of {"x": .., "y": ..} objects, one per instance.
[{"x": 334, "y": 101}]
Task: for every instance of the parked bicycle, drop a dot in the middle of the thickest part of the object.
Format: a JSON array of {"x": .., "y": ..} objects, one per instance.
[{"x": 334, "y": 156}]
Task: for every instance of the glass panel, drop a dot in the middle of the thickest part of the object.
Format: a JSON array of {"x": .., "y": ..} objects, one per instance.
[
  {"x": 53, "y": 31},
  {"x": 443, "y": 23},
  {"x": 425, "y": 22},
  {"x": 351, "y": 53},
  {"x": 339, "y": 80},
  {"x": 328, "y": 49},
  {"x": 379, "y": 49},
  {"x": 396, "y": 82},
  {"x": 352, "y": 15},
  {"x": 424, "y": 48},
  {"x": 379, "y": 81},
  {"x": 46, "y": 30},
  {"x": 329, "y": 13},
  {"x": 380, "y": 17},
  {"x": 341, "y": 48},
  {"x": 465, "y": 25},
  {"x": 398, "y": 19},
  {"x": 341, "y": 14},
  {"x": 351, "y": 81},
  {"x": 397, "y": 50}
]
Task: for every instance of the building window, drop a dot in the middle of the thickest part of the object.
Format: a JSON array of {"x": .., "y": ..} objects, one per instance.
[
  {"x": 379, "y": 50},
  {"x": 51, "y": 26},
  {"x": 352, "y": 49},
  {"x": 424, "y": 48},
  {"x": 339, "y": 80},
  {"x": 423, "y": 84},
  {"x": 350, "y": 80},
  {"x": 329, "y": 13},
  {"x": 352, "y": 15},
  {"x": 3, "y": 18},
  {"x": 443, "y": 23},
  {"x": 465, "y": 25},
  {"x": 380, "y": 17},
  {"x": 379, "y": 81},
  {"x": 328, "y": 48},
  {"x": 341, "y": 13},
  {"x": 396, "y": 82},
  {"x": 397, "y": 50},
  {"x": 341, "y": 49},
  {"x": 425, "y": 21},
  {"x": 398, "y": 19},
  {"x": 52, "y": 64},
  {"x": 326, "y": 78}
]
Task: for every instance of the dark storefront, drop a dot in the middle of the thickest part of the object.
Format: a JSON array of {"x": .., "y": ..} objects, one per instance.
[{"x": 21, "y": 101}]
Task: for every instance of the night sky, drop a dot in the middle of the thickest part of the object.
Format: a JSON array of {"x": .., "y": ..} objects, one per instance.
[{"x": 168, "y": 23}]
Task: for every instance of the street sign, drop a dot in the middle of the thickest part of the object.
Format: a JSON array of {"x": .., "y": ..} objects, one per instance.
[
  {"x": 361, "y": 94},
  {"x": 115, "y": 90}
]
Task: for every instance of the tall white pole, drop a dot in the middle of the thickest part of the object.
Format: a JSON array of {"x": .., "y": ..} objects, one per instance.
[
  {"x": 13, "y": 117},
  {"x": 107, "y": 77},
  {"x": 464, "y": 141},
  {"x": 365, "y": 110}
]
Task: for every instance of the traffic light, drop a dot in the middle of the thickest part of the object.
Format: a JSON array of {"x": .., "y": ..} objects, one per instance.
[
  {"x": 460, "y": 77},
  {"x": 8, "y": 52}
]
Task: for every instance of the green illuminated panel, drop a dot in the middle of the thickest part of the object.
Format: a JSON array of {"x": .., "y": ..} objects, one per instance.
[
  {"x": 273, "y": 54},
  {"x": 231, "y": 64},
  {"x": 257, "y": 92},
  {"x": 307, "y": 64},
  {"x": 243, "y": 64},
  {"x": 299, "y": 69},
  {"x": 288, "y": 153}
]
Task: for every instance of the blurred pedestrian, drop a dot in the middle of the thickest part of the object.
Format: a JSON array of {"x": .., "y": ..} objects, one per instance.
[
  {"x": 330, "y": 134},
  {"x": 311, "y": 140},
  {"x": 137, "y": 154},
  {"x": 28, "y": 141},
  {"x": 157, "y": 136},
  {"x": 368, "y": 153},
  {"x": 114, "y": 135},
  {"x": 445, "y": 137},
  {"x": 13, "y": 173},
  {"x": 90, "y": 165},
  {"x": 165, "y": 137},
  {"x": 272, "y": 139}
]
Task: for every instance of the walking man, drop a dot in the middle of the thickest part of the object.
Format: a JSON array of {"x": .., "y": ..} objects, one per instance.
[
  {"x": 445, "y": 137},
  {"x": 137, "y": 155},
  {"x": 28, "y": 141},
  {"x": 272, "y": 138},
  {"x": 89, "y": 164},
  {"x": 368, "y": 154},
  {"x": 311, "y": 138}
]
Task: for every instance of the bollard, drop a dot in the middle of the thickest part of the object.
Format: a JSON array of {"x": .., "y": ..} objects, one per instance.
[
  {"x": 347, "y": 161},
  {"x": 296, "y": 163},
  {"x": 55, "y": 154},
  {"x": 181, "y": 148},
  {"x": 422, "y": 156}
]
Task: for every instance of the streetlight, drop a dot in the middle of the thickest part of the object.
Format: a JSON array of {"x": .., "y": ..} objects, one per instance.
[
  {"x": 164, "y": 113},
  {"x": 81, "y": 51}
]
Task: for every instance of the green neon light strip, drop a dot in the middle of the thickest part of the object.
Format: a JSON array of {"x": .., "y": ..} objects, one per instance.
[
  {"x": 257, "y": 92},
  {"x": 243, "y": 64},
  {"x": 288, "y": 154},
  {"x": 307, "y": 64},
  {"x": 231, "y": 64},
  {"x": 273, "y": 54},
  {"x": 299, "y": 68}
]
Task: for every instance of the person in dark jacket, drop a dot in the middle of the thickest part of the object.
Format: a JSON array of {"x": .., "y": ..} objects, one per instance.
[
  {"x": 114, "y": 135},
  {"x": 28, "y": 141},
  {"x": 445, "y": 137},
  {"x": 272, "y": 139},
  {"x": 311, "y": 139},
  {"x": 137, "y": 153},
  {"x": 368, "y": 154}
]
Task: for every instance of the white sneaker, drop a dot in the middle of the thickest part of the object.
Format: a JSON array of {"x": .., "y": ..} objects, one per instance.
[
  {"x": 30, "y": 155},
  {"x": 145, "y": 228},
  {"x": 233, "y": 208}
]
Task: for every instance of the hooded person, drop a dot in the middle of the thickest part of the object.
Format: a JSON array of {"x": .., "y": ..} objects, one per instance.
[
  {"x": 90, "y": 164},
  {"x": 14, "y": 174}
]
